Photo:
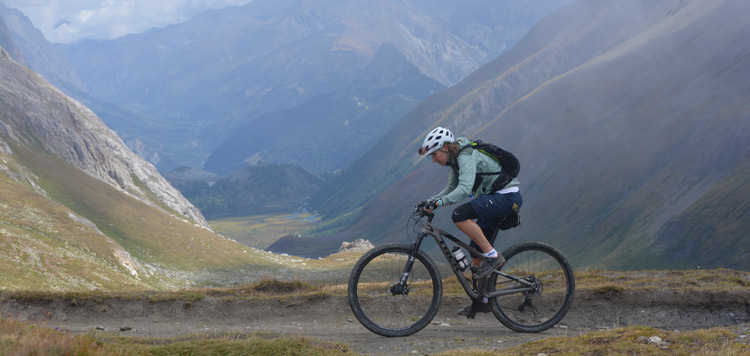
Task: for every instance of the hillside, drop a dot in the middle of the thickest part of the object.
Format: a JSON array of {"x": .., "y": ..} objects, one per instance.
[
  {"x": 631, "y": 124},
  {"x": 333, "y": 128},
  {"x": 196, "y": 82},
  {"x": 79, "y": 211}
]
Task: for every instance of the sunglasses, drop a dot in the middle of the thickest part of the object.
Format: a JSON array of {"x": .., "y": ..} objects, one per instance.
[{"x": 423, "y": 150}]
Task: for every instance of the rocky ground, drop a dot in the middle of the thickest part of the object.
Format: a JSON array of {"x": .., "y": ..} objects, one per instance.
[{"x": 329, "y": 318}]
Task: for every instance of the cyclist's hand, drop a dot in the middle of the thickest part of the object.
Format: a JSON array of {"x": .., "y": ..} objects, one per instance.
[
  {"x": 421, "y": 204},
  {"x": 430, "y": 206}
]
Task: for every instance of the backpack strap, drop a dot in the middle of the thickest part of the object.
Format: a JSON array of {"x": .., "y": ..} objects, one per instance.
[
  {"x": 471, "y": 146},
  {"x": 479, "y": 176}
]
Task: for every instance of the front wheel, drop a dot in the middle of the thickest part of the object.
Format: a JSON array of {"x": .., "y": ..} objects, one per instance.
[
  {"x": 387, "y": 307},
  {"x": 546, "y": 270}
]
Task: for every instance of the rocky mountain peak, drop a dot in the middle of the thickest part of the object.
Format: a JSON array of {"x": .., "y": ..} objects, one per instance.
[
  {"x": 28, "y": 46},
  {"x": 6, "y": 41}
]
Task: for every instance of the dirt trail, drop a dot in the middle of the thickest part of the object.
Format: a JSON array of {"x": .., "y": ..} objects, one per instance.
[{"x": 331, "y": 319}]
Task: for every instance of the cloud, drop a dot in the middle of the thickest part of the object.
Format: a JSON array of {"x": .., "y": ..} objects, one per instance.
[{"x": 65, "y": 21}]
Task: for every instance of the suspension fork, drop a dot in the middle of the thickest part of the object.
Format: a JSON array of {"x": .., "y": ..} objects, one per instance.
[{"x": 402, "y": 287}]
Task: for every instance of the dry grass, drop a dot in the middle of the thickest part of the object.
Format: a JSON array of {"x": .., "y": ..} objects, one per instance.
[
  {"x": 264, "y": 289},
  {"x": 631, "y": 341},
  {"x": 699, "y": 279},
  {"x": 19, "y": 338},
  {"x": 607, "y": 282},
  {"x": 596, "y": 282}
]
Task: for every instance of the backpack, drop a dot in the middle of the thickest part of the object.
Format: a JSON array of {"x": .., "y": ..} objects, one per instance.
[
  {"x": 507, "y": 160},
  {"x": 509, "y": 163},
  {"x": 511, "y": 167}
]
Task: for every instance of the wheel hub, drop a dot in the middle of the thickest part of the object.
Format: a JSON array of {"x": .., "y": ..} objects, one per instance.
[
  {"x": 536, "y": 284},
  {"x": 399, "y": 289}
]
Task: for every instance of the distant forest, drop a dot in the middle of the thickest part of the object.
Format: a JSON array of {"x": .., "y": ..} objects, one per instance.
[{"x": 256, "y": 189}]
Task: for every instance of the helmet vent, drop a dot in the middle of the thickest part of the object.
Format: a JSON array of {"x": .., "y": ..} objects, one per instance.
[{"x": 436, "y": 138}]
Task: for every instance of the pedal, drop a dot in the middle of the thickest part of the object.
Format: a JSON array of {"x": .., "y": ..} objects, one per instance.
[
  {"x": 472, "y": 314},
  {"x": 526, "y": 303}
]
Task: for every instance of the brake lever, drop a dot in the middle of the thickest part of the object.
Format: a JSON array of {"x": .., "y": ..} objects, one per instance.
[{"x": 419, "y": 212}]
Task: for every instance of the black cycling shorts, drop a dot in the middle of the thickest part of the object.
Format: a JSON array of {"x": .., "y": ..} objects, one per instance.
[
  {"x": 464, "y": 212},
  {"x": 488, "y": 210}
]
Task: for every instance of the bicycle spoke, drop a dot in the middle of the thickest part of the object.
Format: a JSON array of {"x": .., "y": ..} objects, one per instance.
[
  {"x": 389, "y": 310},
  {"x": 546, "y": 304}
]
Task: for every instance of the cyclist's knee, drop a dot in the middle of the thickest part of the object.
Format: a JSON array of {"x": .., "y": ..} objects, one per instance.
[{"x": 463, "y": 213}]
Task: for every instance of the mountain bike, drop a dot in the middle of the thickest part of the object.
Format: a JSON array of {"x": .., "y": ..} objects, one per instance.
[{"x": 396, "y": 289}]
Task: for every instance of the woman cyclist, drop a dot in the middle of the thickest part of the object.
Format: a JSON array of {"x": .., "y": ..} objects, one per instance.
[{"x": 475, "y": 174}]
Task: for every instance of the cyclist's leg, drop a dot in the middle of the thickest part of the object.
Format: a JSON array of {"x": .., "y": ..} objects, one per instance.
[
  {"x": 491, "y": 209},
  {"x": 463, "y": 216},
  {"x": 490, "y": 234},
  {"x": 487, "y": 210}
]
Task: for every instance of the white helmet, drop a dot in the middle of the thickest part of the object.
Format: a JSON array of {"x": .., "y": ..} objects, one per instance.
[{"x": 435, "y": 139}]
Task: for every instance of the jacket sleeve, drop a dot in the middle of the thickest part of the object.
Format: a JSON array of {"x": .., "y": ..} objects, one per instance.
[
  {"x": 460, "y": 187},
  {"x": 452, "y": 183}
]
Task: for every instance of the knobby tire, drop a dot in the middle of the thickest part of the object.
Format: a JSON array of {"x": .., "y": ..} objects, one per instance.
[
  {"x": 541, "y": 309},
  {"x": 371, "y": 297}
]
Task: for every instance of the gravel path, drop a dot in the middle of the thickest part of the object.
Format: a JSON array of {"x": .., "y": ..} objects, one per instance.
[{"x": 331, "y": 319}]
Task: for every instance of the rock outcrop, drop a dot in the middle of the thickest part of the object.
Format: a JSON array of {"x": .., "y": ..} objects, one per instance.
[{"x": 356, "y": 245}]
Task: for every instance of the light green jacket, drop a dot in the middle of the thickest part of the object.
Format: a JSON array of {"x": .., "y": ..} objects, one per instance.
[{"x": 470, "y": 162}]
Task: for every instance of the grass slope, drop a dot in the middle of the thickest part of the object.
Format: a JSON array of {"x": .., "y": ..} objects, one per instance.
[
  {"x": 45, "y": 246},
  {"x": 75, "y": 233},
  {"x": 149, "y": 234}
]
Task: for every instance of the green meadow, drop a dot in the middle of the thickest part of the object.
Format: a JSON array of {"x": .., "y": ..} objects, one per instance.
[{"x": 262, "y": 230}]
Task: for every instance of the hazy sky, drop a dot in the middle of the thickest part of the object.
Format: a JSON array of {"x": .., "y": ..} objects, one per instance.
[{"x": 64, "y": 21}]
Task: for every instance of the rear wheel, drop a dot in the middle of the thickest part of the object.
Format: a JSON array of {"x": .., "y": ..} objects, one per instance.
[
  {"x": 386, "y": 307},
  {"x": 548, "y": 272}
]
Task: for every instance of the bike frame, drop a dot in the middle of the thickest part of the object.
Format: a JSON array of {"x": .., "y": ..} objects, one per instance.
[{"x": 428, "y": 229}]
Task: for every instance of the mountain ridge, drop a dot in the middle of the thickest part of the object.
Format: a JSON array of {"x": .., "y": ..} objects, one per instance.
[
  {"x": 40, "y": 55},
  {"x": 268, "y": 56},
  {"x": 334, "y": 127},
  {"x": 609, "y": 106}
]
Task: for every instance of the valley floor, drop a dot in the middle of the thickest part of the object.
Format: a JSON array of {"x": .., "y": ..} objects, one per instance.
[{"x": 329, "y": 318}]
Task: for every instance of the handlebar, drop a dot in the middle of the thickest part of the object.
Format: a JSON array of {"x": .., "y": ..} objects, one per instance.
[{"x": 420, "y": 212}]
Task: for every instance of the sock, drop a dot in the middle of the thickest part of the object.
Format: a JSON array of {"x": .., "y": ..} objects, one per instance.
[{"x": 491, "y": 254}]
